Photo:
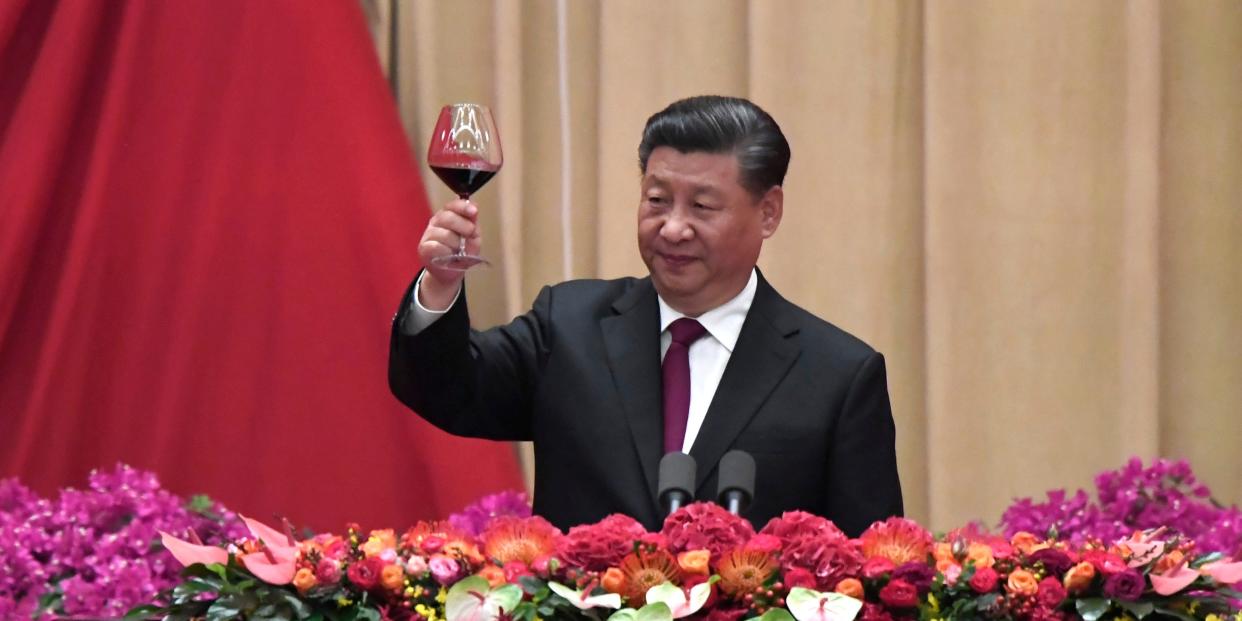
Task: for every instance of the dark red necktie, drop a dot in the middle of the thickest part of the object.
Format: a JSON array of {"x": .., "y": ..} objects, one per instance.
[{"x": 677, "y": 381}]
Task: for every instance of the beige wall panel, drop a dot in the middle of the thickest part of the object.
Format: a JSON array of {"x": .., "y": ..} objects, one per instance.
[
  {"x": 651, "y": 53},
  {"x": 542, "y": 262},
  {"x": 844, "y": 80},
  {"x": 1202, "y": 241},
  {"x": 1025, "y": 193}
]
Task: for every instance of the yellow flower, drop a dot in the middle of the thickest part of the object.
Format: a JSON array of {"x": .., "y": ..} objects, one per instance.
[
  {"x": 933, "y": 602},
  {"x": 442, "y": 596},
  {"x": 342, "y": 602}
]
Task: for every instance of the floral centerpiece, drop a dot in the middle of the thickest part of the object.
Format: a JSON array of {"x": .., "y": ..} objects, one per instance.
[{"x": 704, "y": 564}]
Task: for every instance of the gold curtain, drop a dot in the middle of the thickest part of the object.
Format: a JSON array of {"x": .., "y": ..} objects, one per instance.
[{"x": 1033, "y": 208}]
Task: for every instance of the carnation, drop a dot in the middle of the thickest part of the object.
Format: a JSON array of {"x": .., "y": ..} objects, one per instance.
[
  {"x": 920, "y": 575},
  {"x": 596, "y": 547},
  {"x": 1051, "y": 593},
  {"x": 793, "y": 526},
  {"x": 899, "y": 594},
  {"x": 705, "y": 526},
  {"x": 827, "y": 557}
]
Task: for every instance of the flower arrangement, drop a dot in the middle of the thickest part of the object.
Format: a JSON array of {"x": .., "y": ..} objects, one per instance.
[
  {"x": 1134, "y": 497},
  {"x": 703, "y": 564},
  {"x": 90, "y": 552}
]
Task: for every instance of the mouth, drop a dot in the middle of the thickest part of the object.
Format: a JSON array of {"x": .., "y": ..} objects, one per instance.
[{"x": 676, "y": 260}]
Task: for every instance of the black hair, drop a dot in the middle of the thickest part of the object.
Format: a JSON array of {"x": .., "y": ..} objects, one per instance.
[{"x": 716, "y": 124}]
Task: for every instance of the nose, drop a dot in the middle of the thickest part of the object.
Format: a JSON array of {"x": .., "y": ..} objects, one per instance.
[{"x": 676, "y": 228}]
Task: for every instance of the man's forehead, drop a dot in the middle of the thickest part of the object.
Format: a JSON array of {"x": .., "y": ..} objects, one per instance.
[{"x": 700, "y": 169}]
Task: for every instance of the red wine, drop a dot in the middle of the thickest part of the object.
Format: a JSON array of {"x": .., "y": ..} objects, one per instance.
[{"x": 463, "y": 181}]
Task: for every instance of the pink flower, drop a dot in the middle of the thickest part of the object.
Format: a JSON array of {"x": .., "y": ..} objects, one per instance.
[
  {"x": 875, "y": 612},
  {"x": 829, "y": 558},
  {"x": 705, "y": 526},
  {"x": 1050, "y": 593},
  {"x": 793, "y": 526},
  {"x": 416, "y": 566},
  {"x": 596, "y": 547},
  {"x": 432, "y": 544},
  {"x": 328, "y": 571},
  {"x": 514, "y": 570},
  {"x": 444, "y": 569},
  {"x": 984, "y": 580},
  {"x": 764, "y": 543},
  {"x": 899, "y": 594},
  {"x": 877, "y": 567},
  {"x": 365, "y": 573},
  {"x": 797, "y": 577}
]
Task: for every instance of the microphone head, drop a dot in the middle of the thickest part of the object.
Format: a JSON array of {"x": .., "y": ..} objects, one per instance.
[
  {"x": 737, "y": 473},
  {"x": 677, "y": 472}
]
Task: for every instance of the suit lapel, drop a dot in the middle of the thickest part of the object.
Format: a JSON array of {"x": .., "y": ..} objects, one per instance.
[
  {"x": 761, "y": 358},
  {"x": 631, "y": 337}
]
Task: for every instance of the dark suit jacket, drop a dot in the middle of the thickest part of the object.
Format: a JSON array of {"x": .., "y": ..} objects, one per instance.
[{"x": 579, "y": 374}]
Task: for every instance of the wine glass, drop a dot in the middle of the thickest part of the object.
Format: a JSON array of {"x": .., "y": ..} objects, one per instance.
[{"x": 464, "y": 153}]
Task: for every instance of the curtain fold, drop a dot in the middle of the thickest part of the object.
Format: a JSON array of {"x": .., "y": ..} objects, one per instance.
[
  {"x": 208, "y": 213},
  {"x": 1032, "y": 208}
]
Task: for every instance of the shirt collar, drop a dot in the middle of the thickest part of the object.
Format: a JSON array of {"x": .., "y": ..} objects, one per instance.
[{"x": 724, "y": 322}]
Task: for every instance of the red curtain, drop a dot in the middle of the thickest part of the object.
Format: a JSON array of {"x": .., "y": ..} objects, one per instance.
[{"x": 208, "y": 212}]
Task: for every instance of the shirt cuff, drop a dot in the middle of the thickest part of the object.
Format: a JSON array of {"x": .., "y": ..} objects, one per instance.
[{"x": 419, "y": 316}]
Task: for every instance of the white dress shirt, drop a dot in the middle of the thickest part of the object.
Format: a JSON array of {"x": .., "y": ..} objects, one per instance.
[{"x": 708, "y": 356}]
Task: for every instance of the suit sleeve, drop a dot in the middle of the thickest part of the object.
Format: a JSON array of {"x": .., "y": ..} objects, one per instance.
[
  {"x": 863, "y": 485},
  {"x": 471, "y": 383}
]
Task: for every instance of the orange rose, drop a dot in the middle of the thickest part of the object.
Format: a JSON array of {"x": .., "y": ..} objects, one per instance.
[
  {"x": 494, "y": 575},
  {"x": 304, "y": 580},
  {"x": 1022, "y": 582},
  {"x": 613, "y": 580},
  {"x": 945, "y": 565},
  {"x": 694, "y": 561},
  {"x": 851, "y": 587},
  {"x": 942, "y": 551},
  {"x": 1079, "y": 577},
  {"x": 980, "y": 554},
  {"x": 392, "y": 577},
  {"x": 1169, "y": 562},
  {"x": 379, "y": 541},
  {"x": 1026, "y": 543}
]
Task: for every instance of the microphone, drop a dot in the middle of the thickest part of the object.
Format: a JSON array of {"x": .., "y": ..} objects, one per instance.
[
  {"x": 676, "y": 481},
  {"x": 737, "y": 481}
]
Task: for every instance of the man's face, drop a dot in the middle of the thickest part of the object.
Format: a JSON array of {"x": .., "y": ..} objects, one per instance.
[{"x": 699, "y": 230}]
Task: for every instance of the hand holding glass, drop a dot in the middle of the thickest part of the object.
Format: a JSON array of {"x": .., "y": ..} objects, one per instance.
[{"x": 464, "y": 153}]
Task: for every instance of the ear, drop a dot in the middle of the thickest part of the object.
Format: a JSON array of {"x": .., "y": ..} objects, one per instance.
[{"x": 771, "y": 208}]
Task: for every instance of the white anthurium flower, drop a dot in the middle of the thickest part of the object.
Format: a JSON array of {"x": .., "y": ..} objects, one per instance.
[
  {"x": 679, "y": 604},
  {"x": 650, "y": 612},
  {"x": 809, "y": 605},
  {"x": 582, "y": 601},
  {"x": 473, "y": 599}
]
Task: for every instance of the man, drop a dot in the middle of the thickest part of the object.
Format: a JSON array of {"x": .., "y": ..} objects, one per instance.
[{"x": 596, "y": 377}]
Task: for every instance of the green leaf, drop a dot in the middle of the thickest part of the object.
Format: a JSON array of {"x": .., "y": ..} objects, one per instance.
[
  {"x": 776, "y": 614},
  {"x": 1204, "y": 560},
  {"x": 145, "y": 611},
  {"x": 654, "y": 612},
  {"x": 1138, "y": 609},
  {"x": 625, "y": 614},
  {"x": 531, "y": 585},
  {"x": 1092, "y": 608}
]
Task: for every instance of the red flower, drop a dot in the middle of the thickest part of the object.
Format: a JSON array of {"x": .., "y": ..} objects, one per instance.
[
  {"x": 1051, "y": 593},
  {"x": 1105, "y": 562},
  {"x": 705, "y": 526},
  {"x": 829, "y": 558},
  {"x": 984, "y": 580},
  {"x": 764, "y": 543},
  {"x": 365, "y": 573},
  {"x": 875, "y": 612},
  {"x": 596, "y": 547},
  {"x": 793, "y": 526},
  {"x": 877, "y": 567},
  {"x": 899, "y": 594},
  {"x": 798, "y": 577}
]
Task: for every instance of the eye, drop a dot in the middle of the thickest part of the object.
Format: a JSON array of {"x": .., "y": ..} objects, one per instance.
[
  {"x": 656, "y": 200},
  {"x": 704, "y": 206}
]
